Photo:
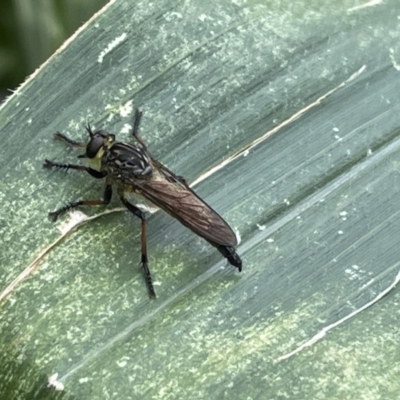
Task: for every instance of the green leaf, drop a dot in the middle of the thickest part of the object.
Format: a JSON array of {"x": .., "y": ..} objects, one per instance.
[{"x": 289, "y": 114}]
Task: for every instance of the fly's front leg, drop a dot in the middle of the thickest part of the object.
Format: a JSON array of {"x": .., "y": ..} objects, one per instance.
[
  {"x": 106, "y": 200},
  {"x": 92, "y": 172},
  {"x": 146, "y": 271},
  {"x": 67, "y": 140}
]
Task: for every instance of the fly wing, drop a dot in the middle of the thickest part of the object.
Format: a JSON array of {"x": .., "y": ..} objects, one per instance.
[{"x": 174, "y": 196}]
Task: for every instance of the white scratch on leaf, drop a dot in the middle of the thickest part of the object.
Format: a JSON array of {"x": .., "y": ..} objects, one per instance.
[
  {"x": 370, "y": 3},
  {"x": 244, "y": 150},
  {"x": 395, "y": 64},
  {"x": 126, "y": 109},
  {"x": 111, "y": 46},
  {"x": 326, "y": 329},
  {"x": 77, "y": 222},
  {"x": 53, "y": 382}
]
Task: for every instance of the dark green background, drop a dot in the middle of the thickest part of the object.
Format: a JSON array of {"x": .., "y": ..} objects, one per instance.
[{"x": 32, "y": 30}]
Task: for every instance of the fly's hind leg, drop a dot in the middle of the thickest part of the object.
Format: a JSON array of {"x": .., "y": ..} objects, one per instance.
[{"x": 144, "y": 262}]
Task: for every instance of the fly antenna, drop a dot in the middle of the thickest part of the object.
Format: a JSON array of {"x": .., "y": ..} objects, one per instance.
[{"x": 89, "y": 130}]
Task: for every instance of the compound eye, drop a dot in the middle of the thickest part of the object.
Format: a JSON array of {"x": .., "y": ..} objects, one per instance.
[{"x": 95, "y": 144}]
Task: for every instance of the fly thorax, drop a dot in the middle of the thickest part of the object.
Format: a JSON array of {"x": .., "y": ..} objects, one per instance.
[{"x": 125, "y": 161}]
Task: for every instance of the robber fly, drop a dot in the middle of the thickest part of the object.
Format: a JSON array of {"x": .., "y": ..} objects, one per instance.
[{"x": 131, "y": 169}]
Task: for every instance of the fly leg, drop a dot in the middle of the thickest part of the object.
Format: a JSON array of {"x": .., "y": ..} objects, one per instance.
[
  {"x": 106, "y": 200},
  {"x": 144, "y": 263},
  {"x": 95, "y": 174},
  {"x": 69, "y": 141},
  {"x": 135, "y": 129}
]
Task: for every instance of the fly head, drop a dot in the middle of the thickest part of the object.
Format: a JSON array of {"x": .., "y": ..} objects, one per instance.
[{"x": 98, "y": 142}]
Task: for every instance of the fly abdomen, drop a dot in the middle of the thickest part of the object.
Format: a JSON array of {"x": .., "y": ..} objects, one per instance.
[{"x": 230, "y": 254}]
